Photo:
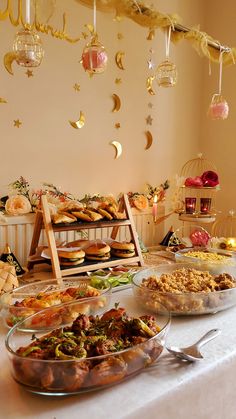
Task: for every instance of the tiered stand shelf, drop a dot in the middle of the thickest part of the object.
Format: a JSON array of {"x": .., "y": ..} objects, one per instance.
[{"x": 43, "y": 221}]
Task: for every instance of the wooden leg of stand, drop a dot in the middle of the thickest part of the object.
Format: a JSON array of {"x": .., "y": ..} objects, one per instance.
[
  {"x": 51, "y": 240},
  {"x": 36, "y": 237},
  {"x": 132, "y": 230}
]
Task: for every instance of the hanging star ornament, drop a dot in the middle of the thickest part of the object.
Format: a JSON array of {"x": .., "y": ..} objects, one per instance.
[
  {"x": 117, "y": 125},
  {"x": 151, "y": 64},
  {"x": 29, "y": 73},
  {"x": 77, "y": 87},
  {"x": 150, "y": 105},
  {"x": 149, "y": 120},
  {"x": 118, "y": 81},
  {"x": 120, "y": 36},
  {"x": 17, "y": 123}
]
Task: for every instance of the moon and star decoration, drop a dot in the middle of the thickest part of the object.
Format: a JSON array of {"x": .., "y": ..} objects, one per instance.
[
  {"x": 79, "y": 123},
  {"x": 149, "y": 86}
]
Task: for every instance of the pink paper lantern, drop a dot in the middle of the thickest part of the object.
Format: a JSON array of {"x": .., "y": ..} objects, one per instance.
[{"x": 94, "y": 57}]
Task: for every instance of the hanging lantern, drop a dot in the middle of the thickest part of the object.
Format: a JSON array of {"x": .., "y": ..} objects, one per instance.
[
  {"x": 94, "y": 57},
  {"x": 28, "y": 48},
  {"x": 219, "y": 108},
  {"x": 27, "y": 44},
  {"x": 166, "y": 71}
]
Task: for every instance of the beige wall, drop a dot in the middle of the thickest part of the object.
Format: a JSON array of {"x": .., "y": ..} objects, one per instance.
[
  {"x": 47, "y": 148},
  {"x": 218, "y": 137}
]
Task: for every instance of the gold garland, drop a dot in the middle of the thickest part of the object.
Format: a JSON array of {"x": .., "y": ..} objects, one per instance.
[
  {"x": 135, "y": 10},
  {"x": 148, "y": 17}
]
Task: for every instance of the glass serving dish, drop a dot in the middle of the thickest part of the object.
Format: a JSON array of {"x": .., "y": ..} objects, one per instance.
[
  {"x": 28, "y": 299},
  {"x": 180, "y": 303},
  {"x": 215, "y": 260},
  {"x": 66, "y": 374}
]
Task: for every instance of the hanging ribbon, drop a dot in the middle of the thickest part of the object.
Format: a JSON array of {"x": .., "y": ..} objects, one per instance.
[{"x": 167, "y": 39}]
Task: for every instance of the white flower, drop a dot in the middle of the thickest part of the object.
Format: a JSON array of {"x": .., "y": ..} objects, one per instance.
[{"x": 17, "y": 205}]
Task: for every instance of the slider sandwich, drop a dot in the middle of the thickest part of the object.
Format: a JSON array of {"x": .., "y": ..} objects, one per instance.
[{"x": 122, "y": 249}]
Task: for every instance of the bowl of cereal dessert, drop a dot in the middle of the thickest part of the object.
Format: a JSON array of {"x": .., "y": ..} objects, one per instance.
[
  {"x": 216, "y": 260},
  {"x": 184, "y": 289},
  {"x": 28, "y": 299},
  {"x": 90, "y": 353}
]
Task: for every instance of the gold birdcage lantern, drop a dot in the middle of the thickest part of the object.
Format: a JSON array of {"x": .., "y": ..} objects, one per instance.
[
  {"x": 224, "y": 232},
  {"x": 200, "y": 183}
]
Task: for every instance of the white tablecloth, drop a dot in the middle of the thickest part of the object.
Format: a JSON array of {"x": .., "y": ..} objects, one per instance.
[{"x": 170, "y": 389}]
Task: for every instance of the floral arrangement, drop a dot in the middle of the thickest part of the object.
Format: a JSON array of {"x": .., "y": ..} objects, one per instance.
[
  {"x": 23, "y": 200},
  {"x": 207, "y": 179},
  {"x": 142, "y": 201}
]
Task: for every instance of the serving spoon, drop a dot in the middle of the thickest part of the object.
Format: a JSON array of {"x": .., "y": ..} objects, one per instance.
[{"x": 192, "y": 353}]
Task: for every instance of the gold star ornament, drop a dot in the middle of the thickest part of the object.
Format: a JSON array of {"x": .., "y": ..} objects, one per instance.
[
  {"x": 120, "y": 36},
  {"x": 117, "y": 125},
  {"x": 17, "y": 123},
  {"x": 29, "y": 73},
  {"x": 118, "y": 81},
  {"x": 149, "y": 120},
  {"x": 77, "y": 87}
]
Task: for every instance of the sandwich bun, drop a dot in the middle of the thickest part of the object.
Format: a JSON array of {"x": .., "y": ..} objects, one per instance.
[
  {"x": 71, "y": 254},
  {"x": 82, "y": 243},
  {"x": 122, "y": 249},
  {"x": 98, "y": 251},
  {"x": 71, "y": 257}
]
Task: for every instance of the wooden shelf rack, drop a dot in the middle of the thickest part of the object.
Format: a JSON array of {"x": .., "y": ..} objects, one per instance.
[{"x": 43, "y": 221}]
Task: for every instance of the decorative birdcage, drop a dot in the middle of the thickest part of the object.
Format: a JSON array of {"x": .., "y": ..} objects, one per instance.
[
  {"x": 199, "y": 186},
  {"x": 224, "y": 232}
]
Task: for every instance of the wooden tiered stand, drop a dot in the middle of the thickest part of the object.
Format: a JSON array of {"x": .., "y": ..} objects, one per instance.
[{"x": 43, "y": 221}]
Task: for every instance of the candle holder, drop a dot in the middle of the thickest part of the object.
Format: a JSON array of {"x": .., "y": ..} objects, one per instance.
[
  {"x": 205, "y": 205},
  {"x": 190, "y": 205}
]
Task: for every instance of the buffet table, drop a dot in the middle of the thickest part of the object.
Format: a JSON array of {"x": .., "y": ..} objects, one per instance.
[{"x": 171, "y": 388}]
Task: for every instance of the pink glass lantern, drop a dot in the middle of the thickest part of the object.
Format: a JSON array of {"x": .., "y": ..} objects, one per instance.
[{"x": 94, "y": 57}]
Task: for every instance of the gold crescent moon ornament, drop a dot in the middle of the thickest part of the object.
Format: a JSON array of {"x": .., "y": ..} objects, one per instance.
[
  {"x": 2, "y": 100},
  {"x": 80, "y": 123},
  {"x": 149, "y": 82},
  {"x": 149, "y": 139},
  {"x": 8, "y": 59},
  {"x": 117, "y": 103},
  {"x": 151, "y": 34},
  {"x": 118, "y": 58},
  {"x": 118, "y": 148}
]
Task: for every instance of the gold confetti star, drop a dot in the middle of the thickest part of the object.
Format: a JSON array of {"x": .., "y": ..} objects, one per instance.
[
  {"x": 149, "y": 120},
  {"x": 150, "y": 105},
  {"x": 118, "y": 81},
  {"x": 17, "y": 123},
  {"x": 120, "y": 35},
  {"x": 29, "y": 73},
  {"x": 117, "y": 125},
  {"x": 77, "y": 87},
  {"x": 151, "y": 65}
]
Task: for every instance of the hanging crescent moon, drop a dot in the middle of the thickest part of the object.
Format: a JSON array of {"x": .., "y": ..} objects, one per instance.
[
  {"x": 118, "y": 58},
  {"x": 118, "y": 148},
  {"x": 80, "y": 123},
  {"x": 8, "y": 59},
  {"x": 151, "y": 34},
  {"x": 2, "y": 100},
  {"x": 117, "y": 103},
  {"x": 149, "y": 85},
  {"x": 149, "y": 140}
]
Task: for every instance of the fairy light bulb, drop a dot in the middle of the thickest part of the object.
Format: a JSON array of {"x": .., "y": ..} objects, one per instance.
[
  {"x": 27, "y": 44},
  {"x": 166, "y": 75},
  {"x": 94, "y": 57}
]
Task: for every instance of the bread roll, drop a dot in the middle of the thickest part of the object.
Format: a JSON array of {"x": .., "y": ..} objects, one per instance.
[{"x": 122, "y": 249}]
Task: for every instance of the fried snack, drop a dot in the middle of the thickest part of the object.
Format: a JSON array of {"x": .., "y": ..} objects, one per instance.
[
  {"x": 95, "y": 216},
  {"x": 70, "y": 206},
  {"x": 105, "y": 213},
  {"x": 63, "y": 217},
  {"x": 81, "y": 215}
]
